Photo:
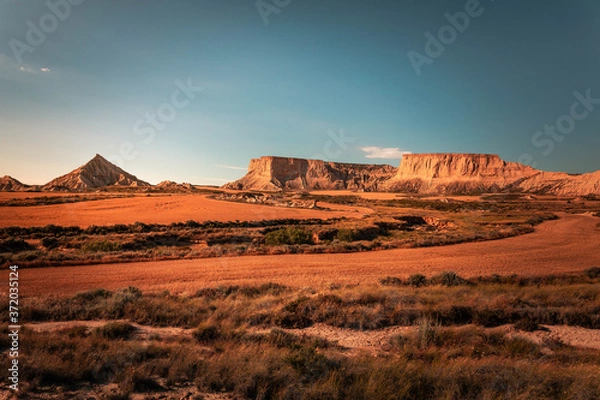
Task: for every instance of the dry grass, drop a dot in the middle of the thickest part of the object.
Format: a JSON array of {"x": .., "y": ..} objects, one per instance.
[{"x": 443, "y": 355}]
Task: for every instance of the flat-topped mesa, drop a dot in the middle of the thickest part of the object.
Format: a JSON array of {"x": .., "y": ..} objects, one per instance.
[
  {"x": 271, "y": 173},
  {"x": 456, "y": 173}
]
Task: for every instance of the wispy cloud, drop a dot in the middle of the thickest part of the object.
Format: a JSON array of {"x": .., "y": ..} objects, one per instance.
[
  {"x": 9, "y": 64},
  {"x": 29, "y": 70},
  {"x": 384, "y": 152},
  {"x": 230, "y": 167}
]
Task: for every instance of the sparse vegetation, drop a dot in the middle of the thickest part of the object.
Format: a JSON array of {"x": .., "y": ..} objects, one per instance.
[
  {"x": 288, "y": 236},
  {"x": 386, "y": 228},
  {"x": 240, "y": 343}
]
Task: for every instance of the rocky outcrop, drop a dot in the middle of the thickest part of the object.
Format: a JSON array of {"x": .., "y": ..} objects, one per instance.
[
  {"x": 96, "y": 173},
  {"x": 279, "y": 173},
  {"x": 174, "y": 186},
  {"x": 418, "y": 173},
  {"x": 483, "y": 173},
  {"x": 456, "y": 173},
  {"x": 561, "y": 184},
  {"x": 10, "y": 184}
]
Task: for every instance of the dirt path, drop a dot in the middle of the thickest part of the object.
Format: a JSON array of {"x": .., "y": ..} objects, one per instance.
[
  {"x": 567, "y": 245},
  {"x": 143, "y": 332},
  {"x": 371, "y": 340}
]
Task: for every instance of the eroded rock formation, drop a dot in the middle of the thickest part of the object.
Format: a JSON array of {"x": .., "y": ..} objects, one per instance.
[{"x": 279, "y": 173}]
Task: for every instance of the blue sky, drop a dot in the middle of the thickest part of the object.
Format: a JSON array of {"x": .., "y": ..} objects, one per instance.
[{"x": 317, "y": 71}]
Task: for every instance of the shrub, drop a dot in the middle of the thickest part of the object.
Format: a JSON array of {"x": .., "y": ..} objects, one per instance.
[
  {"x": 310, "y": 364},
  {"x": 14, "y": 246},
  {"x": 345, "y": 235},
  {"x": 449, "y": 278},
  {"x": 528, "y": 325},
  {"x": 428, "y": 332},
  {"x": 116, "y": 331},
  {"x": 289, "y": 236},
  {"x": 101, "y": 246},
  {"x": 593, "y": 272},
  {"x": 50, "y": 243},
  {"x": 417, "y": 280},
  {"x": 207, "y": 333}
]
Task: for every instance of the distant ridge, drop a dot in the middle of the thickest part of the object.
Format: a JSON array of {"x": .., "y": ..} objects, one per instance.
[
  {"x": 443, "y": 173},
  {"x": 10, "y": 184},
  {"x": 96, "y": 173}
]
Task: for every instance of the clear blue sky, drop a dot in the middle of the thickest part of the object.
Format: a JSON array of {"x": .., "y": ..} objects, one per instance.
[{"x": 318, "y": 66}]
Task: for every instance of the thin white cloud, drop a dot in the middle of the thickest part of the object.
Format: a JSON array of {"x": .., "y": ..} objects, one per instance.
[
  {"x": 231, "y": 167},
  {"x": 384, "y": 152},
  {"x": 9, "y": 64}
]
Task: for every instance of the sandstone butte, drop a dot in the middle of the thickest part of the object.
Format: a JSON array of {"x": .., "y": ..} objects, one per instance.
[
  {"x": 417, "y": 173},
  {"x": 280, "y": 173}
]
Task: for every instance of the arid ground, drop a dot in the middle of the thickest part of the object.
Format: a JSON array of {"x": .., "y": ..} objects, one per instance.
[
  {"x": 157, "y": 209},
  {"x": 569, "y": 244},
  {"x": 223, "y": 295}
]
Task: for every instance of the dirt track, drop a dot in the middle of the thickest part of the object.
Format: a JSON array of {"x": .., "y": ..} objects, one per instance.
[{"x": 570, "y": 244}]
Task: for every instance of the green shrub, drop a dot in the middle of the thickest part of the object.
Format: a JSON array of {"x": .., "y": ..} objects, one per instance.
[
  {"x": 345, "y": 235},
  {"x": 101, "y": 246},
  {"x": 289, "y": 236}
]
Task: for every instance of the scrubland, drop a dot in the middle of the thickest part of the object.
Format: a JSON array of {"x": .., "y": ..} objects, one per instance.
[
  {"x": 444, "y": 336},
  {"x": 358, "y": 297}
]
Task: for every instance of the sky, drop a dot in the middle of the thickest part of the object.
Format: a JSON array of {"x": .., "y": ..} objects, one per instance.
[{"x": 191, "y": 90}]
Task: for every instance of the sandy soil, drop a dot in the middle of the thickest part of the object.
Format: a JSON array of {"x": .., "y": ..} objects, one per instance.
[
  {"x": 161, "y": 210},
  {"x": 567, "y": 245}
]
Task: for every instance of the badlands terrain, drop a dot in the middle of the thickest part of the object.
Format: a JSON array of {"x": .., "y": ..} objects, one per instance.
[{"x": 450, "y": 276}]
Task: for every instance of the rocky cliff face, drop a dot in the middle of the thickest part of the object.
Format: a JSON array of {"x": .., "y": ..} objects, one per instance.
[
  {"x": 96, "y": 173},
  {"x": 456, "y": 173},
  {"x": 478, "y": 173},
  {"x": 417, "y": 173},
  {"x": 561, "y": 184},
  {"x": 279, "y": 173},
  {"x": 10, "y": 184}
]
